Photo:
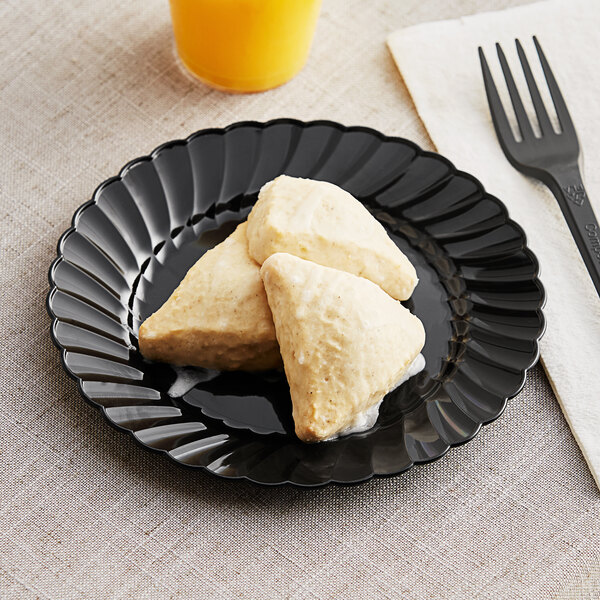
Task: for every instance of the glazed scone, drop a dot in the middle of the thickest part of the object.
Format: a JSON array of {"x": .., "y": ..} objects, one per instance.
[
  {"x": 218, "y": 317},
  {"x": 345, "y": 343},
  {"x": 323, "y": 223}
]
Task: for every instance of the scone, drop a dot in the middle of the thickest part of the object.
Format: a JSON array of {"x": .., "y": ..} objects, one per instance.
[
  {"x": 323, "y": 223},
  {"x": 345, "y": 343},
  {"x": 218, "y": 317}
]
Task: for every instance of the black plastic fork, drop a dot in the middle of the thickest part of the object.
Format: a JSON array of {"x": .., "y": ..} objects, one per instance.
[{"x": 552, "y": 158}]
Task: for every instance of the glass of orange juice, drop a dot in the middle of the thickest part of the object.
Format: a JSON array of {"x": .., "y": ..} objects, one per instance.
[{"x": 244, "y": 45}]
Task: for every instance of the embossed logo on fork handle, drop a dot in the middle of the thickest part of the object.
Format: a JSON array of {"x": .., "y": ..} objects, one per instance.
[
  {"x": 567, "y": 185},
  {"x": 575, "y": 193}
]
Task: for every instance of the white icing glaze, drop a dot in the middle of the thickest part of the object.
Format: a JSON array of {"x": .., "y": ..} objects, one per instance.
[
  {"x": 367, "y": 418},
  {"x": 187, "y": 378}
]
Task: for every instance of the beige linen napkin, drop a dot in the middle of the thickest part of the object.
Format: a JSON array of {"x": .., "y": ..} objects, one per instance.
[{"x": 440, "y": 66}]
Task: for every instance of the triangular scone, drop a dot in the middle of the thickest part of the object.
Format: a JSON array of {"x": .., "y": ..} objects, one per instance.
[
  {"x": 218, "y": 317},
  {"x": 345, "y": 343},
  {"x": 321, "y": 222}
]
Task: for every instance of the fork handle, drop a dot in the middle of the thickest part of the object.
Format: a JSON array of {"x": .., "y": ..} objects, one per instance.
[{"x": 567, "y": 185}]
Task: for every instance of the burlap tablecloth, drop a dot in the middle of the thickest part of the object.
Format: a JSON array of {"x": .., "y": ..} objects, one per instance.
[{"x": 85, "y": 513}]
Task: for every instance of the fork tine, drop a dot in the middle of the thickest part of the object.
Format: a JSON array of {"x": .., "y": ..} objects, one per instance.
[
  {"x": 501, "y": 124},
  {"x": 538, "y": 103},
  {"x": 522, "y": 118},
  {"x": 561, "y": 108}
]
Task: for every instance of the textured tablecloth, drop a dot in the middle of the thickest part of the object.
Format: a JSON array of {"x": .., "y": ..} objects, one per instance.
[{"x": 84, "y": 512}]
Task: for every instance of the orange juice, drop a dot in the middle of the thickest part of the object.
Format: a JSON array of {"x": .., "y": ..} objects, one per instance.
[{"x": 244, "y": 45}]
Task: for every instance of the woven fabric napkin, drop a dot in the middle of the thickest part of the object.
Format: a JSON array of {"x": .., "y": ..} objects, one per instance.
[{"x": 440, "y": 66}]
